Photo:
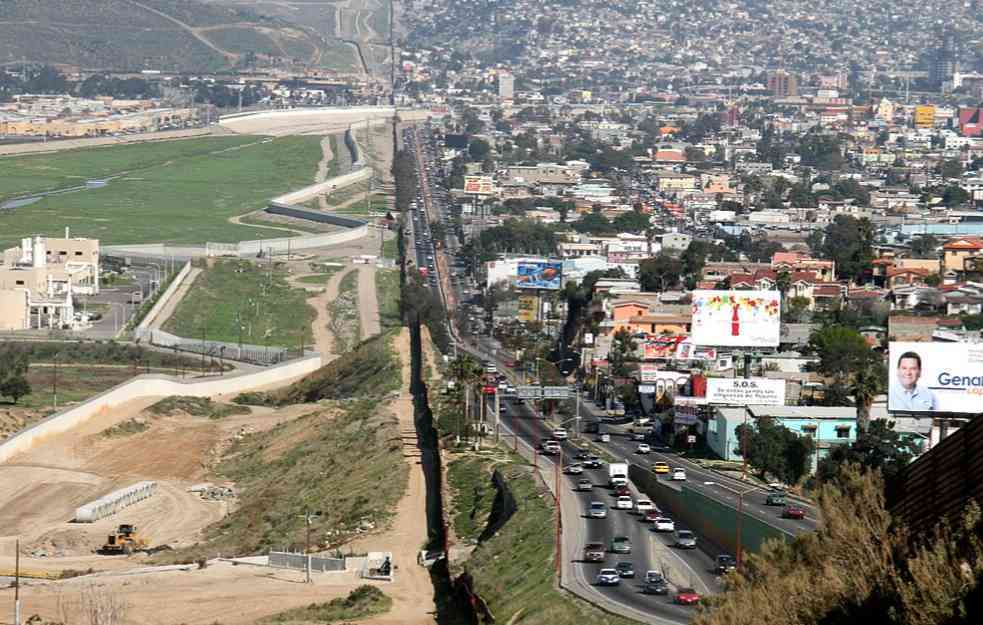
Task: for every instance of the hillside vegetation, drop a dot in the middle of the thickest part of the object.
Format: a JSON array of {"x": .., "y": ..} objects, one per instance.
[
  {"x": 512, "y": 570},
  {"x": 370, "y": 370},
  {"x": 306, "y": 465},
  {"x": 860, "y": 567},
  {"x": 169, "y": 35}
]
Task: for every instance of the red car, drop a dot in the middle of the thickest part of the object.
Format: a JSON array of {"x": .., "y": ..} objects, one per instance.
[
  {"x": 686, "y": 596},
  {"x": 620, "y": 491},
  {"x": 793, "y": 512},
  {"x": 651, "y": 516}
]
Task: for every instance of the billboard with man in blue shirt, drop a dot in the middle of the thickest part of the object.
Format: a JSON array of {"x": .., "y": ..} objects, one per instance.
[{"x": 936, "y": 377}]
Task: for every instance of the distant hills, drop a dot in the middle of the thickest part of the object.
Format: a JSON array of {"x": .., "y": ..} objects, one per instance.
[{"x": 168, "y": 35}]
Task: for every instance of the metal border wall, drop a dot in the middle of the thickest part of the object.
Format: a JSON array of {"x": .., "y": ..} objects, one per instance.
[{"x": 942, "y": 481}]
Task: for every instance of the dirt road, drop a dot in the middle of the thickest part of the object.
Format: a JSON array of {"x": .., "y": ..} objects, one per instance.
[
  {"x": 412, "y": 591},
  {"x": 368, "y": 302}
]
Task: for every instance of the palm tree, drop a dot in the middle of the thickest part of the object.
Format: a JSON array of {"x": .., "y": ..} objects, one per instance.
[
  {"x": 466, "y": 372},
  {"x": 866, "y": 385}
]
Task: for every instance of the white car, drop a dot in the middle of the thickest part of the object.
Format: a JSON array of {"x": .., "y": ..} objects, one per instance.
[
  {"x": 643, "y": 505},
  {"x": 663, "y": 524},
  {"x": 624, "y": 502},
  {"x": 597, "y": 510},
  {"x": 560, "y": 434},
  {"x": 638, "y": 436},
  {"x": 573, "y": 469},
  {"x": 678, "y": 475},
  {"x": 643, "y": 448},
  {"x": 608, "y": 577}
]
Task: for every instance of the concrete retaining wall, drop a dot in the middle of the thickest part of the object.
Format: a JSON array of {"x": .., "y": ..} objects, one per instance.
[
  {"x": 164, "y": 299},
  {"x": 331, "y": 184},
  {"x": 251, "y": 248},
  {"x": 152, "y": 385},
  {"x": 714, "y": 523},
  {"x": 298, "y": 561}
]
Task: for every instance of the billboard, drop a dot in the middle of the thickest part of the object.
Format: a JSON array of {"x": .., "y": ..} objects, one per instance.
[
  {"x": 924, "y": 116},
  {"x": 935, "y": 377},
  {"x": 479, "y": 185},
  {"x": 539, "y": 275},
  {"x": 528, "y": 305},
  {"x": 736, "y": 318},
  {"x": 746, "y": 391},
  {"x": 661, "y": 347},
  {"x": 687, "y": 351}
]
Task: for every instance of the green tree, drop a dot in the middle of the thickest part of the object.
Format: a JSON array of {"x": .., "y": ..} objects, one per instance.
[
  {"x": 954, "y": 195},
  {"x": 951, "y": 168},
  {"x": 478, "y": 150},
  {"x": 622, "y": 352},
  {"x": 594, "y": 223},
  {"x": 925, "y": 246},
  {"x": 660, "y": 272},
  {"x": 631, "y": 221},
  {"x": 879, "y": 448},
  {"x": 850, "y": 243},
  {"x": 15, "y": 387},
  {"x": 770, "y": 448}
]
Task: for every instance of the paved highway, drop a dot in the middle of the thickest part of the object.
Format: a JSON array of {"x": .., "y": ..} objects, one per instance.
[
  {"x": 650, "y": 550},
  {"x": 712, "y": 484}
]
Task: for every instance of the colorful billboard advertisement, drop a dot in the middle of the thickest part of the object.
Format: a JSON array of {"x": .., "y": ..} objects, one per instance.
[
  {"x": 736, "y": 318},
  {"x": 539, "y": 275},
  {"x": 746, "y": 391},
  {"x": 687, "y": 351},
  {"x": 479, "y": 185},
  {"x": 660, "y": 347},
  {"x": 935, "y": 377},
  {"x": 528, "y": 305}
]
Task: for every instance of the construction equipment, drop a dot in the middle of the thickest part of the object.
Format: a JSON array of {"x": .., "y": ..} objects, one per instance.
[{"x": 125, "y": 541}]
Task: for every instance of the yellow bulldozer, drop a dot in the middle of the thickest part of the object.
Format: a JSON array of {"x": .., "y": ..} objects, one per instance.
[{"x": 125, "y": 540}]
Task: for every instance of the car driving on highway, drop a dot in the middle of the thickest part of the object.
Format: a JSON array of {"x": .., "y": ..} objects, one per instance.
[
  {"x": 663, "y": 524},
  {"x": 620, "y": 544},
  {"x": 655, "y": 584},
  {"x": 678, "y": 475},
  {"x": 608, "y": 577},
  {"x": 597, "y": 510},
  {"x": 686, "y": 596},
  {"x": 685, "y": 539},
  {"x": 585, "y": 485},
  {"x": 623, "y": 502},
  {"x": 573, "y": 469}
]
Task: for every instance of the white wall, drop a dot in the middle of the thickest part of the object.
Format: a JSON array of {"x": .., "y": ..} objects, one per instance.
[{"x": 153, "y": 385}]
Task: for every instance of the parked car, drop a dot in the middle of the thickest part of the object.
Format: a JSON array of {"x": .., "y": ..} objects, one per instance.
[
  {"x": 725, "y": 563},
  {"x": 594, "y": 552},
  {"x": 608, "y": 577},
  {"x": 655, "y": 584},
  {"x": 597, "y": 510},
  {"x": 643, "y": 448},
  {"x": 678, "y": 475},
  {"x": 663, "y": 524},
  {"x": 686, "y": 596},
  {"x": 643, "y": 506},
  {"x": 623, "y": 502},
  {"x": 625, "y": 569},
  {"x": 573, "y": 469},
  {"x": 585, "y": 485},
  {"x": 660, "y": 467},
  {"x": 793, "y": 512},
  {"x": 620, "y": 544},
  {"x": 685, "y": 539}
]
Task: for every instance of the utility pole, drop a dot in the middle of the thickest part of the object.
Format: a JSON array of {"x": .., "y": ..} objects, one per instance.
[
  {"x": 17, "y": 582},
  {"x": 54, "y": 386},
  {"x": 559, "y": 523},
  {"x": 498, "y": 417},
  {"x": 308, "y": 519}
]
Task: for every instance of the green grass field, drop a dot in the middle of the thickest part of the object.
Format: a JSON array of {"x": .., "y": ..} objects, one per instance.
[
  {"x": 176, "y": 192},
  {"x": 387, "y": 292},
  {"x": 266, "y": 309}
]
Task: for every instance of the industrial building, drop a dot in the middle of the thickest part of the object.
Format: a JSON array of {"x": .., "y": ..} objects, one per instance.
[{"x": 40, "y": 279}]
